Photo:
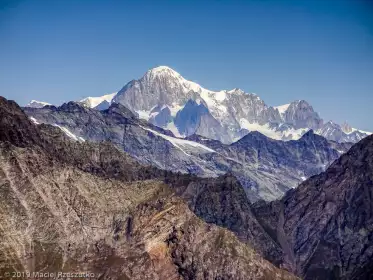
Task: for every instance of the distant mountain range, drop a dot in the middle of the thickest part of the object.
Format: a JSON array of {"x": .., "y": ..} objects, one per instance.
[
  {"x": 266, "y": 168},
  {"x": 166, "y": 99}
]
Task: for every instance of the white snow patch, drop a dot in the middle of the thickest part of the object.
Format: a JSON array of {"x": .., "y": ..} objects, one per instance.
[
  {"x": 92, "y": 102},
  {"x": 236, "y": 91},
  {"x": 174, "y": 108},
  {"x": 221, "y": 95},
  {"x": 34, "y": 120},
  {"x": 145, "y": 115},
  {"x": 271, "y": 133},
  {"x": 37, "y": 104},
  {"x": 213, "y": 103},
  {"x": 282, "y": 108},
  {"x": 70, "y": 134},
  {"x": 180, "y": 143},
  {"x": 361, "y": 131},
  {"x": 171, "y": 127},
  {"x": 303, "y": 178}
]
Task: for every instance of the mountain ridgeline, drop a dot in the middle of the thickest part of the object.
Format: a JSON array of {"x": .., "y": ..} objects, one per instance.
[
  {"x": 166, "y": 99},
  {"x": 266, "y": 168},
  {"x": 221, "y": 115}
]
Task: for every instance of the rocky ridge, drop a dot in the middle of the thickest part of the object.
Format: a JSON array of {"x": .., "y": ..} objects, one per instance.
[
  {"x": 77, "y": 206},
  {"x": 267, "y": 168},
  {"x": 325, "y": 226}
]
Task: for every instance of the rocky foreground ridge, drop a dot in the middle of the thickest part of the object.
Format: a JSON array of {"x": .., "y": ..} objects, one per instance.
[
  {"x": 325, "y": 226},
  {"x": 71, "y": 206}
]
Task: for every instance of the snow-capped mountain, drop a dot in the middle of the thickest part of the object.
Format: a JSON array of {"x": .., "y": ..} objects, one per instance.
[
  {"x": 344, "y": 133},
  {"x": 166, "y": 99},
  {"x": 37, "y": 104},
  {"x": 100, "y": 102}
]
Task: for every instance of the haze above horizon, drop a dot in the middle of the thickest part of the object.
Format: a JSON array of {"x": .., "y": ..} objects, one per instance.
[{"x": 319, "y": 51}]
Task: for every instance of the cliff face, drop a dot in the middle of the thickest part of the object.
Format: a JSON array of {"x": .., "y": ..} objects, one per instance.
[
  {"x": 71, "y": 206},
  {"x": 325, "y": 226}
]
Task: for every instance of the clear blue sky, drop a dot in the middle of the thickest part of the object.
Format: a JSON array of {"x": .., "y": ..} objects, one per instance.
[{"x": 320, "y": 51}]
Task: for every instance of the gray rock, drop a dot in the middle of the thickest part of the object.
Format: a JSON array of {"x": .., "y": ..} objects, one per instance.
[{"x": 325, "y": 226}]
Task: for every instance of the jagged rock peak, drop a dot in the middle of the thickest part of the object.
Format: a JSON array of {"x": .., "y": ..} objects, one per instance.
[
  {"x": 72, "y": 106},
  {"x": 310, "y": 134},
  {"x": 254, "y": 135},
  {"x": 237, "y": 91},
  {"x": 301, "y": 104},
  {"x": 15, "y": 126},
  {"x": 118, "y": 108}
]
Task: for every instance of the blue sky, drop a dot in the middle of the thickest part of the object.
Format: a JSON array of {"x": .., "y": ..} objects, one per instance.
[{"x": 320, "y": 51}]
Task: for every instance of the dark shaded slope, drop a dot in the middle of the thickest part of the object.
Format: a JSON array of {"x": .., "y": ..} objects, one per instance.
[{"x": 327, "y": 222}]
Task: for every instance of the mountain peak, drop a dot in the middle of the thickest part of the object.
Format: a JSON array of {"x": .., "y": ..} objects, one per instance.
[
  {"x": 37, "y": 104},
  {"x": 163, "y": 70},
  {"x": 282, "y": 108},
  {"x": 311, "y": 135},
  {"x": 236, "y": 91},
  {"x": 92, "y": 102},
  {"x": 300, "y": 102}
]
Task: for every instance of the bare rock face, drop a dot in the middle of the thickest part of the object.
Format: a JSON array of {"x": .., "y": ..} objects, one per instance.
[
  {"x": 325, "y": 226},
  {"x": 343, "y": 133},
  {"x": 300, "y": 114},
  {"x": 79, "y": 207},
  {"x": 62, "y": 219}
]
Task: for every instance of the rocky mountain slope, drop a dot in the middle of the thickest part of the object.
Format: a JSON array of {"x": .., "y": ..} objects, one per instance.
[
  {"x": 266, "y": 168},
  {"x": 76, "y": 206},
  {"x": 325, "y": 226}
]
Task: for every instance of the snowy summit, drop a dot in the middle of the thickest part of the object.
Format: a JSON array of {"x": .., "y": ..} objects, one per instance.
[
  {"x": 93, "y": 102},
  {"x": 37, "y": 104}
]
